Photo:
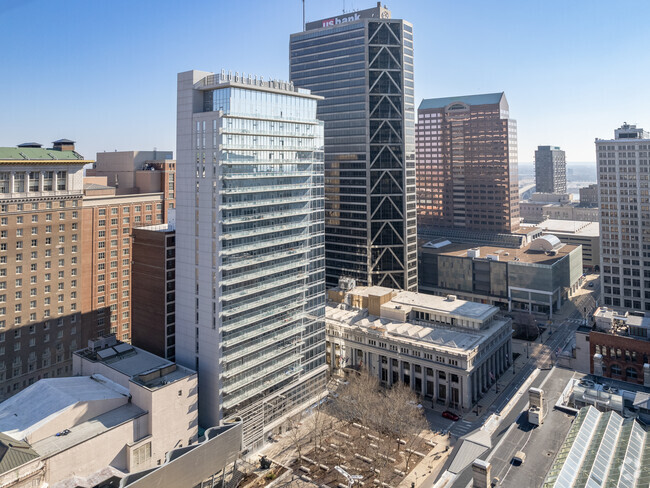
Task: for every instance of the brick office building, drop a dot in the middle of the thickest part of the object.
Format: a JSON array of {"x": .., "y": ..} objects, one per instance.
[
  {"x": 40, "y": 262},
  {"x": 620, "y": 346},
  {"x": 108, "y": 220},
  {"x": 154, "y": 289}
]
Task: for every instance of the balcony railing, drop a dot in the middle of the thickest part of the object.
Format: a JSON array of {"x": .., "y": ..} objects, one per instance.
[
  {"x": 240, "y": 263},
  {"x": 279, "y": 322},
  {"x": 267, "y": 371},
  {"x": 268, "y": 201},
  {"x": 276, "y": 353},
  {"x": 270, "y": 215},
  {"x": 262, "y": 244},
  {"x": 255, "y": 231},
  {"x": 259, "y": 272},
  {"x": 226, "y": 296},
  {"x": 268, "y": 299},
  {"x": 231, "y": 401},
  {"x": 251, "y": 318},
  {"x": 258, "y": 345}
]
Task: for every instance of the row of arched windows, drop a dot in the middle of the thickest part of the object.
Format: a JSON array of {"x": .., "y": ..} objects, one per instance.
[{"x": 630, "y": 372}]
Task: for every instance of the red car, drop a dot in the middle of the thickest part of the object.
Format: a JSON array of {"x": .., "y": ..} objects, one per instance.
[{"x": 450, "y": 415}]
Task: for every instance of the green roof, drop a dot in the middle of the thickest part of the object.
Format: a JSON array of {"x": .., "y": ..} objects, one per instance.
[
  {"x": 14, "y": 453},
  {"x": 38, "y": 154},
  {"x": 487, "y": 98}
]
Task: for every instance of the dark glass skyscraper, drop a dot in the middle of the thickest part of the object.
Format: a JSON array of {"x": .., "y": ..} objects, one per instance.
[{"x": 362, "y": 64}]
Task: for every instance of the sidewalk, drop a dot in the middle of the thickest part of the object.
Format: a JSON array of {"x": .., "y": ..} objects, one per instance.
[
  {"x": 505, "y": 379},
  {"x": 490, "y": 396}
]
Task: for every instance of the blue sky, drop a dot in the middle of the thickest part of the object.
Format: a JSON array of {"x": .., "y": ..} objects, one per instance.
[{"x": 104, "y": 72}]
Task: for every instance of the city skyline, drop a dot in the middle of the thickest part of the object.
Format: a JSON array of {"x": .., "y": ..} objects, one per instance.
[{"x": 102, "y": 77}]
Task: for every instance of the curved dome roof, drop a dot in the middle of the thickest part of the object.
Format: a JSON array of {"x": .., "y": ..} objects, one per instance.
[{"x": 545, "y": 243}]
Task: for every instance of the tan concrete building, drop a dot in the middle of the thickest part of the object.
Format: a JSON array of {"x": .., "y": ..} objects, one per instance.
[
  {"x": 132, "y": 172},
  {"x": 122, "y": 412},
  {"x": 536, "y": 278},
  {"x": 138, "y": 172},
  {"x": 40, "y": 262}
]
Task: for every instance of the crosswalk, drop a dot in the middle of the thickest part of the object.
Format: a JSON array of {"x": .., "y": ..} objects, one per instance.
[
  {"x": 575, "y": 321},
  {"x": 462, "y": 427}
]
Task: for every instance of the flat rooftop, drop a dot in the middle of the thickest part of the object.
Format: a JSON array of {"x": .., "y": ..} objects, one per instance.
[
  {"x": 452, "y": 339},
  {"x": 137, "y": 364},
  {"x": 435, "y": 303},
  {"x": 87, "y": 430},
  {"x": 48, "y": 398},
  {"x": 576, "y": 227},
  {"x": 524, "y": 254}
]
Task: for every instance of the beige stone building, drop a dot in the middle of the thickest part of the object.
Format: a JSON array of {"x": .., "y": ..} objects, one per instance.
[
  {"x": 122, "y": 412},
  {"x": 448, "y": 350},
  {"x": 40, "y": 262}
]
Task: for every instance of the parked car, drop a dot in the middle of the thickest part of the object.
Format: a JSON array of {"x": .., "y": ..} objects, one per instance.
[
  {"x": 591, "y": 284},
  {"x": 519, "y": 458},
  {"x": 450, "y": 415}
]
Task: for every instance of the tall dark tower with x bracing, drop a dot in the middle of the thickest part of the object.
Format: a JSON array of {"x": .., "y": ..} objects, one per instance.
[{"x": 362, "y": 64}]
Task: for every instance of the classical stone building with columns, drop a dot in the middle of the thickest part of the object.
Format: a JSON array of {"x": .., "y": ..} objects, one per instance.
[{"x": 448, "y": 350}]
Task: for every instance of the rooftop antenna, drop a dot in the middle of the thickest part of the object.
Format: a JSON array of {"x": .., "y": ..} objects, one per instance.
[{"x": 304, "y": 26}]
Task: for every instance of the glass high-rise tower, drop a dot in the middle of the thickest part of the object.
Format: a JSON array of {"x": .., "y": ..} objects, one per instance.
[
  {"x": 250, "y": 270},
  {"x": 362, "y": 64}
]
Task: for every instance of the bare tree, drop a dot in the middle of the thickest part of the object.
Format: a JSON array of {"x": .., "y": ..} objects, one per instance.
[{"x": 296, "y": 435}]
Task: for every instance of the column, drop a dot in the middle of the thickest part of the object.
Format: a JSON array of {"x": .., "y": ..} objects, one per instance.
[
  {"x": 412, "y": 376},
  {"x": 435, "y": 385},
  {"x": 550, "y": 299},
  {"x": 447, "y": 388},
  {"x": 423, "y": 388},
  {"x": 501, "y": 361}
]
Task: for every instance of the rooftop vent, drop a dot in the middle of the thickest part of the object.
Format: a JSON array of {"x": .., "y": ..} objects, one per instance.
[
  {"x": 451, "y": 298},
  {"x": 30, "y": 144}
]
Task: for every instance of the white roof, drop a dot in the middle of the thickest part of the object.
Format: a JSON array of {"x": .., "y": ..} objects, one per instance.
[
  {"x": 454, "y": 339},
  {"x": 573, "y": 227},
  {"x": 46, "y": 399},
  {"x": 457, "y": 308}
]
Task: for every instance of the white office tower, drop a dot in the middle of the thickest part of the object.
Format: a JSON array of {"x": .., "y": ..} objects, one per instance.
[
  {"x": 250, "y": 289},
  {"x": 623, "y": 180}
]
